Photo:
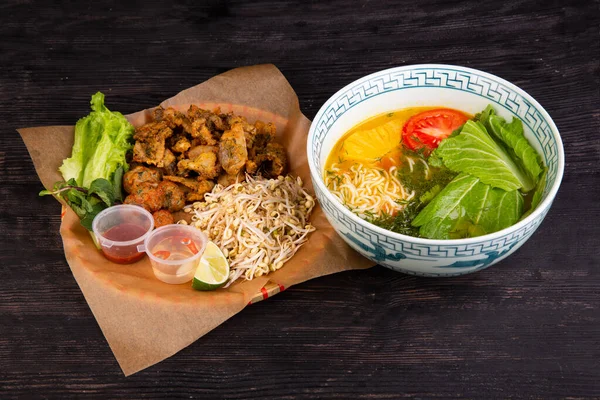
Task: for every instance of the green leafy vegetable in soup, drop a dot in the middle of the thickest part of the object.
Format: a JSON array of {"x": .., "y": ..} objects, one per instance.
[
  {"x": 467, "y": 207},
  {"x": 424, "y": 181},
  {"x": 447, "y": 181}
]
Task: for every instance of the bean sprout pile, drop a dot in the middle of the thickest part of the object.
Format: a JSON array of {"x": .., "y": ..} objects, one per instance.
[
  {"x": 367, "y": 191},
  {"x": 259, "y": 224}
]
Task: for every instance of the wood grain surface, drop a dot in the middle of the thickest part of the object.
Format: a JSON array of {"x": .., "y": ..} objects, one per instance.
[{"x": 526, "y": 328}]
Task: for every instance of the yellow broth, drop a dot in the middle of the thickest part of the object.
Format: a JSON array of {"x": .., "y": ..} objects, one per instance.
[
  {"x": 376, "y": 143},
  {"x": 340, "y": 156}
]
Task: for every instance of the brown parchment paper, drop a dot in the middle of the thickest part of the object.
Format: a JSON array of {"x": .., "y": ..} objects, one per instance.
[{"x": 145, "y": 320}]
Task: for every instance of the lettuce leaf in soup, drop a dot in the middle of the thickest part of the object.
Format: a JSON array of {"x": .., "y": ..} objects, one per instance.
[
  {"x": 536, "y": 198},
  {"x": 475, "y": 152},
  {"x": 466, "y": 207},
  {"x": 512, "y": 136}
]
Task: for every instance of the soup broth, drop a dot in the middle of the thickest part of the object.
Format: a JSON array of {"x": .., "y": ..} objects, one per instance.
[
  {"x": 437, "y": 173},
  {"x": 378, "y": 178}
]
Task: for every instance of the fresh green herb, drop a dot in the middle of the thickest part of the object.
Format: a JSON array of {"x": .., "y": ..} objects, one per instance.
[
  {"x": 93, "y": 174},
  {"x": 467, "y": 207},
  {"x": 417, "y": 179},
  {"x": 400, "y": 222},
  {"x": 86, "y": 203},
  {"x": 425, "y": 185}
]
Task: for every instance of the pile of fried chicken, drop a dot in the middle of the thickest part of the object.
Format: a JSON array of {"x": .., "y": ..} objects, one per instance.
[{"x": 178, "y": 157}]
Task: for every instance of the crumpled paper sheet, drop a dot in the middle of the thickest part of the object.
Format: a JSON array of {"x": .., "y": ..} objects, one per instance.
[{"x": 145, "y": 320}]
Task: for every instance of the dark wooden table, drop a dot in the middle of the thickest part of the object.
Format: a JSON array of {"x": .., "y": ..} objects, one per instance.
[{"x": 528, "y": 327}]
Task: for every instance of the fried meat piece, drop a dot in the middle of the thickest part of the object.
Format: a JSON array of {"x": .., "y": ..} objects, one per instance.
[
  {"x": 225, "y": 179},
  {"x": 147, "y": 195},
  {"x": 198, "y": 195},
  {"x": 138, "y": 175},
  {"x": 199, "y": 130},
  {"x": 180, "y": 144},
  {"x": 150, "y": 139},
  {"x": 204, "y": 186},
  {"x": 174, "y": 197},
  {"x": 205, "y": 165},
  {"x": 198, "y": 186},
  {"x": 152, "y": 131},
  {"x": 270, "y": 161},
  {"x": 249, "y": 129},
  {"x": 170, "y": 117},
  {"x": 194, "y": 196},
  {"x": 267, "y": 129},
  {"x": 197, "y": 150},
  {"x": 168, "y": 159},
  {"x": 168, "y": 164},
  {"x": 232, "y": 119},
  {"x": 150, "y": 152},
  {"x": 195, "y": 112},
  {"x": 233, "y": 153},
  {"x": 202, "y": 124},
  {"x": 162, "y": 218},
  {"x": 215, "y": 122},
  {"x": 265, "y": 133}
]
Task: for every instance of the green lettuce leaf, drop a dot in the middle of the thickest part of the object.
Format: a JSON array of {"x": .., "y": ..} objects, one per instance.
[
  {"x": 484, "y": 116},
  {"x": 537, "y": 194},
  {"x": 475, "y": 152},
  {"x": 466, "y": 207},
  {"x": 102, "y": 140},
  {"x": 512, "y": 136}
]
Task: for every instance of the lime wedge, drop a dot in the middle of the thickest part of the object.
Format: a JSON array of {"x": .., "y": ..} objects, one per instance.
[{"x": 213, "y": 269}]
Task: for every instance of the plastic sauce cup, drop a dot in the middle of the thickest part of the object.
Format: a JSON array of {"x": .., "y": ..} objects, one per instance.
[
  {"x": 175, "y": 251},
  {"x": 119, "y": 231}
]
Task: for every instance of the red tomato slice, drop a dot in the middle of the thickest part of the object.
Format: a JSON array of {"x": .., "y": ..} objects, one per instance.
[{"x": 427, "y": 129}]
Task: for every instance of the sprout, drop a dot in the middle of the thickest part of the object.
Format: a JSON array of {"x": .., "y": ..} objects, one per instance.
[{"x": 258, "y": 224}]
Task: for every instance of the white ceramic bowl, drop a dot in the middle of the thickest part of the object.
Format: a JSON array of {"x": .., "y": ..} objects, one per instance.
[{"x": 461, "y": 88}]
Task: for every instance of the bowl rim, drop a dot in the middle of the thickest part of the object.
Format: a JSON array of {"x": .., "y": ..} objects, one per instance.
[{"x": 545, "y": 204}]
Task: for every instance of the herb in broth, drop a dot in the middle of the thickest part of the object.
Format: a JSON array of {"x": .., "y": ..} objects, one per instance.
[
  {"x": 401, "y": 222},
  {"x": 423, "y": 176},
  {"x": 425, "y": 180}
]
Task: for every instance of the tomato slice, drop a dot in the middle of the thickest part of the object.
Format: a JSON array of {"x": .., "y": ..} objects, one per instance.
[{"x": 427, "y": 129}]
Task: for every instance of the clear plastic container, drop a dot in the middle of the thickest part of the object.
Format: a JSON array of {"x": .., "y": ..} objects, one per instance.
[
  {"x": 120, "y": 229},
  {"x": 175, "y": 251}
]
